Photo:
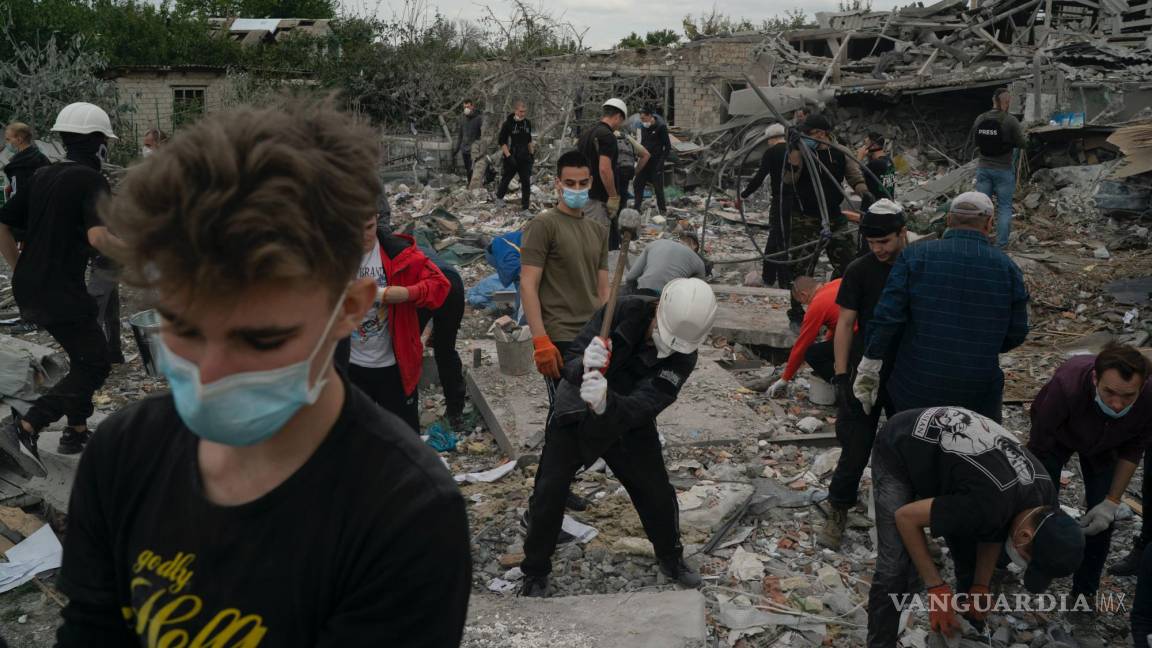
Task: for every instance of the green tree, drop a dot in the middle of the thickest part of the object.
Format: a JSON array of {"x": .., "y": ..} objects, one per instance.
[
  {"x": 631, "y": 40},
  {"x": 661, "y": 38}
]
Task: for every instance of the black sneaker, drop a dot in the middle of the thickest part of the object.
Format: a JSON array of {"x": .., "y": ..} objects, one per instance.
[
  {"x": 576, "y": 503},
  {"x": 535, "y": 587},
  {"x": 1129, "y": 565},
  {"x": 20, "y": 446},
  {"x": 73, "y": 441},
  {"x": 679, "y": 571}
]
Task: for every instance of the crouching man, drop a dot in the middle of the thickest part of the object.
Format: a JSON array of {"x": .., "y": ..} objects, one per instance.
[
  {"x": 264, "y": 501},
  {"x": 606, "y": 406},
  {"x": 960, "y": 476}
]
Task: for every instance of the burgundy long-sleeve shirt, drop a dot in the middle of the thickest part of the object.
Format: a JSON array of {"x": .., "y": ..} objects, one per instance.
[{"x": 1066, "y": 419}]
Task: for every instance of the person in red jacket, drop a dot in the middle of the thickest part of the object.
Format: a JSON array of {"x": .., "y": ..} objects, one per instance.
[
  {"x": 385, "y": 354},
  {"x": 822, "y": 313}
]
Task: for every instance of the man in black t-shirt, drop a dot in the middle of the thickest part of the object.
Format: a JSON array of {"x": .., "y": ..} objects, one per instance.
[
  {"x": 774, "y": 165},
  {"x": 598, "y": 144},
  {"x": 58, "y": 213},
  {"x": 264, "y": 501},
  {"x": 960, "y": 476},
  {"x": 883, "y": 228}
]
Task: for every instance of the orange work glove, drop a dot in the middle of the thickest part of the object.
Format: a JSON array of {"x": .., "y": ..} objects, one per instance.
[
  {"x": 547, "y": 357},
  {"x": 942, "y": 610},
  {"x": 979, "y": 602}
]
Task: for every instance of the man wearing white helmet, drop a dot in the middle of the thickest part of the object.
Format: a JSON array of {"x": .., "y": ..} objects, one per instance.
[
  {"x": 598, "y": 144},
  {"x": 58, "y": 212},
  {"x": 611, "y": 393},
  {"x": 774, "y": 165}
]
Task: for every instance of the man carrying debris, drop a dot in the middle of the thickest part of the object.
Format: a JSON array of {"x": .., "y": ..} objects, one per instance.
[
  {"x": 882, "y": 227},
  {"x": 1100, "y": 408},
  {"x": 664, "y": 260},
  {"x": 467, "y": 134},
  {"x": 518, "y": 152},
  {"x": 191, "y": 507},
  {"x": 881, "y": 178},
  {"x": 949, "y": 309},
  {"x": 962, "y": 477},
  {"x": 822, "y": 314},
  {"x": 598, "y": 145},
  {"x": 655, "y": 139},
  {"x": 57, "y": 210},
  {"x": 612, "y": 392},
  {"x": 563, "y": 268},
  {"x": 774, "y": 165},
  {"x": 998, "y": 134}
]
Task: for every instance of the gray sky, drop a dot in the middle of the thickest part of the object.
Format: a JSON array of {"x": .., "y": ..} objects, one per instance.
[{"x": 610, "y": 20}]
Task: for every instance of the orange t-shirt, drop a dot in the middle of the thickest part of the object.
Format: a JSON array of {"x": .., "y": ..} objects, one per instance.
[{"x": 823, "y": 311}]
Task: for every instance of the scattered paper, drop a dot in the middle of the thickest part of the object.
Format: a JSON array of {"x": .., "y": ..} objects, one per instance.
[
  {"x": 501, "y": 586},
  {"x": 583, "y": 532},
  {"x": 487, "y": 475},
  {"x": 38, "y": 553}
]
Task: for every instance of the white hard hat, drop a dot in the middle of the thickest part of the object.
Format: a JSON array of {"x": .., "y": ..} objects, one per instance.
[
  {"x": 685, "y": 314},
  {"x": 618, "y": 104},
  {"x": 886, "y": 206},
  {"x": 83, "y": 118},
  {"x": 775, "y": 130}
]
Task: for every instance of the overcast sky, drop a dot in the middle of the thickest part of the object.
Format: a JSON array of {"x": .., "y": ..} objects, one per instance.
[{"x": 610, "y": 20}]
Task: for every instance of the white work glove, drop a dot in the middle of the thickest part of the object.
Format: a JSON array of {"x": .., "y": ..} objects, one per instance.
[
  {"x": 867, "y": 385},
  {"x": 594, "y": 391},
  {"x": 778, "y": 388},
  {"x": 1099, "y": 517},
  {"x": 596, "y": 354}
]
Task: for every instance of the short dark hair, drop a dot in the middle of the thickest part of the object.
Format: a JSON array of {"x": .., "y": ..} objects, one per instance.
[
  {"x": 611, "y": 111},
  {"x": 572, "y": 158},
  {"x": 691, "y": 236},
  {"x": 876, "y": 138},
  {"x": 467, "y": 101},
  {"x": 999, "y": 92},
  {"x": 647, "y": 110},
  {"x": 1126, "y": 360}
]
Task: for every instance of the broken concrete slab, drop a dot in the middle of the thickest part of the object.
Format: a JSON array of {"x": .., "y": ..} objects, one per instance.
[
  {"x": 708, "y": 506},
  {"x": 753, "y": 323},
  {"x": 630, "y": 620},
  {"x": 709, "y": 410},
  {"x": 725, "y": 290}
]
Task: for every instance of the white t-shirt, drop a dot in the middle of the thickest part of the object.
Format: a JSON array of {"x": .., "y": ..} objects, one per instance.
[{"x": 372, "y": 343}]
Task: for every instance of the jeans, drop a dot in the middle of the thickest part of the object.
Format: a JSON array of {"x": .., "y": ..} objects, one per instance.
[
  {"x": 521, "y": 167},
  {"x": 1141, "y": 618},
  {"x": 999, "y": 185},
  {"x": 104, "y": 286},
  {"x": 1086, "y": 580},
  {"x": 652, "y": 173},
  {"x": 88, "y": 367},
  {"x": 895, "y": 573},
  {"x": 445, "y": 327},
  {"x": 384, "y": 386},
  {"x": 856, "y": 433},
  {"x": 637, "y": 461}
]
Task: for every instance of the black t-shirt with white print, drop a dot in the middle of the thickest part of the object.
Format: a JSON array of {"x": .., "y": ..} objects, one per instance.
[{"x": 978, "y": 473}]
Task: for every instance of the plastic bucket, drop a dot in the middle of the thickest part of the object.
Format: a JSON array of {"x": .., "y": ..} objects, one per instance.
[
  {"x": 820, "y": 392},
  {"x": 515, "y": 358},
  {"x": 145, "y": 327}
]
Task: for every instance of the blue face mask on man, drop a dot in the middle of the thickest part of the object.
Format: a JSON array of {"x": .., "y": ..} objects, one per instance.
[
  {"x": 575, "y": 198},
  {"x": 244, "y": 408},
  {"x": 10, "y": 149},
  {"x": 1108, "y": 411}
]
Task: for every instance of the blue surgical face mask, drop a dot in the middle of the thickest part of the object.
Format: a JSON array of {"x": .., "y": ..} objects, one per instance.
[
  {"x": 1108, "y": 411},
  {"x": 245, "y": 408},
  {"x": 576, "y": 199},
  {"x": 11, "y": 149},
  {"x": 812, "y": 144}
]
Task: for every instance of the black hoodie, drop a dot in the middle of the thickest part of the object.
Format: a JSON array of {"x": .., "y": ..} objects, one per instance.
[{"x": 21, "y": 167}]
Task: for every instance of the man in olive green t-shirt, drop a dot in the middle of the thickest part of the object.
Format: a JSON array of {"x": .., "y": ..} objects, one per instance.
[{"x": 564, "y": 267}]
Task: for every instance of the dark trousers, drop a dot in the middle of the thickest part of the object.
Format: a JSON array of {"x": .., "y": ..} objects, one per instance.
[
  {"x": 104, "y": 286},
  {"x": 856, "y": 432},
  {"x": 651, "y": 174},
  {"x": 445, "y": 327},
  {"x": 779, "y": 237},
  {"x": 514, "y": 166},
  {"x": 821, "y": 356},
  {"x": 88, "y": 367},
  {"x": 383, "y": 385},
  {"x": 1141, "y": 617},
  {"x": 1146, "y": 495},
  {"x": 637, "y": 461},
  {"x": 895, "y": 573},
  {"x": 466, "y": 153},
  {"x": 1086, "y": 580}
]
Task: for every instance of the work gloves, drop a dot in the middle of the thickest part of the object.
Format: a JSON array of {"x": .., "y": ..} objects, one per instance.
[
  {"x": 1099, "y": 517},
  {"x": 597, "y": 354},
  {"x": 942, "y": 610},
  {"x": 613, "y": 204},
  {"x": 979, "y": 602},
  {"x": 778, "y": 388},
  {"x": 867, "y": 385},
  {"x": 594, "y": 390},
  {"x": 547, "y": 357}
]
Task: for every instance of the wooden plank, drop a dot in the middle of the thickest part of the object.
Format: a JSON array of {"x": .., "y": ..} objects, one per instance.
[
  {"x": 983, "y": 33},
  {"x": 818, "y": 440}
]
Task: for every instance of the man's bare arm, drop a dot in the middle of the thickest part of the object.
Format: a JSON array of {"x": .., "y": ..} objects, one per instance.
[
  {"x": 842, "y": 339},
  {"x": 530, "y": 297}
]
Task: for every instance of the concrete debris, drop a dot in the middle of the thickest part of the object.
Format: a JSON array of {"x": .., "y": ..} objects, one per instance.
[
  {"x": 810, "y": 424},
  {"x": 745, "y": 566}
]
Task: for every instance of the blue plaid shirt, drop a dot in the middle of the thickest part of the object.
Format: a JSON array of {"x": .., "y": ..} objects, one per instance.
[{"x": 948, "y": 310}]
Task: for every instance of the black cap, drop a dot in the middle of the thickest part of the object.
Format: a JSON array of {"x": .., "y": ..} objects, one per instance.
[
  {"x": 884, "y": 217},
  {"x": 817, "y": 122},
  {"x": 1057, "y": 550}
]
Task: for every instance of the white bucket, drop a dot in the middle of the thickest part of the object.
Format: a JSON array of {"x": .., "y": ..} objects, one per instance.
[{"x": 820, "y": 392}]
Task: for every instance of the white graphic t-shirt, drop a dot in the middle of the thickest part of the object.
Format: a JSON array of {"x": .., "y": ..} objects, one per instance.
[{"x": 372, "y": 343}]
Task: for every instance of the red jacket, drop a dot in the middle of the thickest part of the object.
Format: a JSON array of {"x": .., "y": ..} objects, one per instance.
[
  {"x": 823, "y": 312},
  {"x": 405, "y": 265}
]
